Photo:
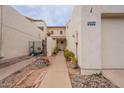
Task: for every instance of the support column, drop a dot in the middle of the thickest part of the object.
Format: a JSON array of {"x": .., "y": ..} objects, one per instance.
[{"x": 90, "y": 60}]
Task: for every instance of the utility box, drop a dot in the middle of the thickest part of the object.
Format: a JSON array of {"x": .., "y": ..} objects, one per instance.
[{"x": 35, "y": 47}]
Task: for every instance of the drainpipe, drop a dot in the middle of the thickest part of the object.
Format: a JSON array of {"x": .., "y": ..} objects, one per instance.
[
  {"x": 1, "y": 29},
  {"x": 76, "y": 44}
]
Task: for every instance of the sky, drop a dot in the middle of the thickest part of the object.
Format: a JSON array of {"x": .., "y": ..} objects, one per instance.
[{"x": 53, "y": 15}]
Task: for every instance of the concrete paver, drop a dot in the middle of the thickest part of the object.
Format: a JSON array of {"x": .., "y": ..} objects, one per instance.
[
  {"x": 57, "y": 75},
  {"x": 4, "y": 72},
  {"x": 115, "y": 76}
]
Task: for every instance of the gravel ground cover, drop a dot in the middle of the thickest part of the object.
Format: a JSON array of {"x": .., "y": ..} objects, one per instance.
[
  {"x": 13, "y": 79},
  {"x": 91, "y": 81},
  {"x": 88, "y": 81}
]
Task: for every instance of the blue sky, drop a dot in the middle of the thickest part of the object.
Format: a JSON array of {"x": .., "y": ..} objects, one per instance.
[{"x": 52, "y": 14}]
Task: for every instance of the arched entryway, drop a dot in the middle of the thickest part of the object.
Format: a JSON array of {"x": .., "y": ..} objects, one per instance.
[{"x": 61, "y": 43}]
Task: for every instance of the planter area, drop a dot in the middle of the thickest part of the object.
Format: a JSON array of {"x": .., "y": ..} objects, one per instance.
[
  {"x": 91, "y": 81},
  {"x": 29, "y": 77},
  {"x": 71, "y": 59},
  {"x": 88, "y": 81}
]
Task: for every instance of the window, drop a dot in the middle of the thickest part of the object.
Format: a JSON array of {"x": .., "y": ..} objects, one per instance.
[
  {"x": 52, "y": 32},
  {"x": 61, "y": 32},
  {"x": 54, "y": 39},
  {"x": 62, "y": 42},
  {"x": 41, "y": 28}
]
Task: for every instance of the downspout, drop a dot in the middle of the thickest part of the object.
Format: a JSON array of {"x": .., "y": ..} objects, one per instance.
[{"x": 1, "y": 29}]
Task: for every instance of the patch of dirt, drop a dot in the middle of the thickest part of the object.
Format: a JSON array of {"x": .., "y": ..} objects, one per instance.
[
  {"x": 24, "y": 78},
  {"x": 8, "y": 62},
  {"x": 71, "y": 70},
  {"x": 29, "y": 81}
]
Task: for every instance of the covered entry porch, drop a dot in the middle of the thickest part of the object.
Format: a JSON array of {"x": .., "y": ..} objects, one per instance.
[{"x": 60, "y": 42}]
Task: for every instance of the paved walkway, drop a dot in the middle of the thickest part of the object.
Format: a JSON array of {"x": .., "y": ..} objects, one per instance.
[
  {"x": 57, "y": 75},
  {"x": 4, "y": 72}
]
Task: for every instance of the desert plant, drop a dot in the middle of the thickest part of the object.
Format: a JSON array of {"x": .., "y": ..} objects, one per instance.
[
  {"x": 71, "y": 54},
  {"x": 48, "y": 34},
  {"x": 56, "y": 50},
  {"x": 68, "y": 54},
  {"x": 99, "y": 75},
  {"x": 74, "y": 60}
]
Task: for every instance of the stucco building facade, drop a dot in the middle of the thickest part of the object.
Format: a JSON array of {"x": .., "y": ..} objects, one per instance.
[
  {"x": 56, "y": 38},
  {"x": 98, "y": 30},
  {"x": 94, "y": 33},
  {"x": 15, "y": 33},
  {"x": 41, "y": 24}
]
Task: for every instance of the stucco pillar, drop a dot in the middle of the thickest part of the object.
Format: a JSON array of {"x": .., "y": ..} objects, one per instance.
[{"x": 90, "y": 52}]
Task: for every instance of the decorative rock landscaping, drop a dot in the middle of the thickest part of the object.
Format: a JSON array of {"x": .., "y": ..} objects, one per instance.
[
  {"x": 91, "y": 81},
  {"x": 29, "y": 76},
  {"x": 88, "y": 81}
]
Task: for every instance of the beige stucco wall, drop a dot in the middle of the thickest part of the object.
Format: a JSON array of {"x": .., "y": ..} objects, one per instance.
[
  {"x": 73, "y": 28},
  {"x": 42, "y": 24},
  {"x": 51, "y": 45},
  {"x": 89, "y": 37},
  {"x": 17, "y": 32},
  {"x": 91, "y": 40},
  {"x": 56, "y": 31}
]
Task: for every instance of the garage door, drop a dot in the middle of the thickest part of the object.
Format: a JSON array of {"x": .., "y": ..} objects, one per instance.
[{"x": 113, "y": 42}]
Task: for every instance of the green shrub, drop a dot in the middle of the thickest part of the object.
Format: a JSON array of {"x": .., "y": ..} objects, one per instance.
[
  {"x": 71, "y": 54},
  {"x": 74, "y": 60},
  {"x": 68, "y": 54},
  {"x": 56, "y": 50},
  {"x": 66, "y": 51}
]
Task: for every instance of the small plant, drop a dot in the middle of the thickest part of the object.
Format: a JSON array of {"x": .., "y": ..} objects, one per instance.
[
  {"x": 56, "y": 50},
  {"x": 74, "y": 60},
  {"x": 48, "y": 34},
  {"x": 98, "y": 74},
  {"x": 68, "y": 54},
  {"x": 66, "y": 51}
]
